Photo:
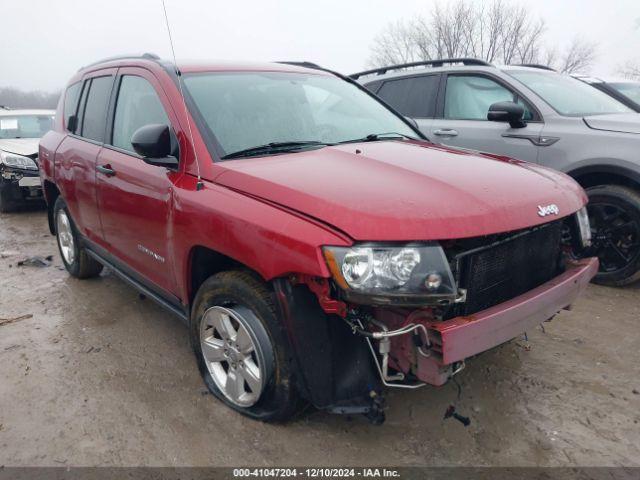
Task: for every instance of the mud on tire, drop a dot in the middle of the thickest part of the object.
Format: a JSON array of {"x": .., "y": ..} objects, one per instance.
[
  {"x": 279, "y": 399},
  {"x": 82, "y": 265}
]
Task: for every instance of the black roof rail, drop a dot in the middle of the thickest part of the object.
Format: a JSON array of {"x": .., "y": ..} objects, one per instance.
[
  {"x": 432, "y": 63},
  {"x": 304, "y": 64},
  {"x": 535, "y": 65},
  {"x": 145, "y": 56}
]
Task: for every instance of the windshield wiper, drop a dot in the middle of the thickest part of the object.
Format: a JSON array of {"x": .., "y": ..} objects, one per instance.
[
  {"x": 374, "y": 137},
  {"x": 273, "y": 147}
]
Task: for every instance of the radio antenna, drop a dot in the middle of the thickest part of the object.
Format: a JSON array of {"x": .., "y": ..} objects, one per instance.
[{"x": 199, "y": 183}]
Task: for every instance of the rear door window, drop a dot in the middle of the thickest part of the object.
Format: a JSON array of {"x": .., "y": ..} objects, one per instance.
[
  {"x": 95, "y": 110},
  {"x": 138, "y": 105},
  {"x": 413, "y": 97}
]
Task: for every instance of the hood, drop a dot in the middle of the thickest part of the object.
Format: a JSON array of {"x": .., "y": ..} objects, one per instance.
[
  {"x": 402, "y": 191},
  {"x": 616, "y": 122},
  {"x": 21, "y": 146}
]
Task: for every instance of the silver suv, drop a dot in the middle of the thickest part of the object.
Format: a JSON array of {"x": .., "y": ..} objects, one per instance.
[{"x": 535, "y": 114}]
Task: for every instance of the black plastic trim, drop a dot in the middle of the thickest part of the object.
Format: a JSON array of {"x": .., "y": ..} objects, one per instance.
[
  {"x": 164, "y": 299},
  {"x": 422, "y": 63}
]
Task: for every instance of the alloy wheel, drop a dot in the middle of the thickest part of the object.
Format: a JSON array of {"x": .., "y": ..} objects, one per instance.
[
  {"x": 615, "y": 236},
  {"x": 232, "y": 355},
  {"x": 65, "y": 237}
]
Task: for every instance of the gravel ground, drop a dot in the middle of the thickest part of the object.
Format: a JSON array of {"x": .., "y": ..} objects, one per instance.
[{"x": 93, "y": 375}]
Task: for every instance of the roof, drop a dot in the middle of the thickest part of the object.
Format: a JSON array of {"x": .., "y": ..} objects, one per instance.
[
  {"x": 13, "y": 113},
  {"x": 205, "y": 65},
  {"x": 234, "y": 66}
]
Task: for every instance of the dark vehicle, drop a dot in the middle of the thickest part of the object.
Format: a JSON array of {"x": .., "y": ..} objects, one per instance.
[
  {"x": 20, "y": 132},
  {"x": 316, "y": 246}
]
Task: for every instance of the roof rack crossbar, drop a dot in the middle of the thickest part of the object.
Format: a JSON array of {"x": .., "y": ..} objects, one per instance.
[
  {"x": 146, "y": 56},
  {"x": 432, "y": 63},
  {"x": 535, "y": 65}
]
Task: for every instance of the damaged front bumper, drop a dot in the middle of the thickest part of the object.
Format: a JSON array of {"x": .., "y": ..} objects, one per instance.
[
  {"x": 343, "y": 362},
  {"x": 20, "y": 185},
  {"x": 454, "y": 340}
]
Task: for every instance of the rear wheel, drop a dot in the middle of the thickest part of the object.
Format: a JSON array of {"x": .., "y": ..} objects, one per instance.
[
  {"x": 614, "y": 214},
  {"x": 75, "y": 258},
  {"x": 242, "y": 350}
]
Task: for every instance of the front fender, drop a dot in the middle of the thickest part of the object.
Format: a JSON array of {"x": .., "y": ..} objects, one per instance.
[{"x": 269, "y": 240}]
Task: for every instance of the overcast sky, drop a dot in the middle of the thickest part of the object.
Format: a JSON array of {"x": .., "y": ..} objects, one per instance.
[{"x": 44, "y": 42}]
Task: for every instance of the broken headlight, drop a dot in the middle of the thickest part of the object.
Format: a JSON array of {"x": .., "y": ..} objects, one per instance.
[
  {"x": 380, "y": 274},
  {"x": 582, "y": 218},
  {"x": 17, "y": 161}
]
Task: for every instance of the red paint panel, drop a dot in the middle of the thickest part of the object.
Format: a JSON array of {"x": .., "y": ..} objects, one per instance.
[
  {"x": 463, "y": 337},
  {"x": 397, "y": 190},
  {"x": 75, "y": 171}
]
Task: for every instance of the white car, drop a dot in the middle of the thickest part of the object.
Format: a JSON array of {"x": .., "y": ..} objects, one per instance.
[{"x": 20, "y": 132}]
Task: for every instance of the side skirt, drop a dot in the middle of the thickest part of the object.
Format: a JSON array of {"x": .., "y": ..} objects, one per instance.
[{"x": 133, "y": 279}]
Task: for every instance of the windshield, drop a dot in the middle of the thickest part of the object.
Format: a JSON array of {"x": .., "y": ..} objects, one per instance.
[
  {"x": 567, "y": 95},
  {"x": 249, "y": 109},
  {"x": 25, "y": 126},
  {"x": 628, "y": 89}
]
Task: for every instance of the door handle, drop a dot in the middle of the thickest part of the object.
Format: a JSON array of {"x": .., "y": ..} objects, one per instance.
[
  {"x": 106, "y": 169},
  {"x": 445, "y": 132}
]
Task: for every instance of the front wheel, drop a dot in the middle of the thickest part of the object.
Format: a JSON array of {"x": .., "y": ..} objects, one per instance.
[
  {"x": 614, "y": 214},
  {"x": 242, "y": 350},
  {"x": 75, "y": 258}
]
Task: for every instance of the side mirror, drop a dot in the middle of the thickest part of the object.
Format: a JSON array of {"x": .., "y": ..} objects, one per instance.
[
  {"x": 507, "y": 112},
  {"x": 153, "y": 143}
]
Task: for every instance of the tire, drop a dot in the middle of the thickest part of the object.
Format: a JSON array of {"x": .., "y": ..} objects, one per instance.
[
  {"x": 614, "y": 213},
  {"x": 7, "y": 204},
  {"x": 76, "y": 259},
  {"x": 243, "y": 295}
]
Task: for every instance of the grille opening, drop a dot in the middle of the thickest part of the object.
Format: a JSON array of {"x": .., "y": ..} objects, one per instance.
[{"x": 497, "y": 268}]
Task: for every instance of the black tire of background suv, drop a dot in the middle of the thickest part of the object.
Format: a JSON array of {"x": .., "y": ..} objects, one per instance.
[
  {"x": 83, "y": 265},
  {"x": 628, "y": 199},
  {"x": 279, "y": 400},
  {"x": 7, "y": 204}
]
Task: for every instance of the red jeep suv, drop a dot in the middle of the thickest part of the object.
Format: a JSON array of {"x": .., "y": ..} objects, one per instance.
[{"x": 318, "y": 247}]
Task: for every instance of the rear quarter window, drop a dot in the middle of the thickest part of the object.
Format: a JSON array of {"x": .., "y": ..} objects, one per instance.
[{"x": 71, "y": 98}]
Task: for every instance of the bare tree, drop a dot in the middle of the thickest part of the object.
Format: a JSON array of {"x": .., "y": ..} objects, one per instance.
[
  {"x": 630, "y": 70},
  {"x": 394, "y": 45},
  {"x": 15, "y": 98},
  {"x": 578, "y": 58},
  {"x": 495, "y": 31}
]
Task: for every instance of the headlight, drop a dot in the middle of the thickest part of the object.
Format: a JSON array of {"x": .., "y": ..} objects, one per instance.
[
  {"x": 377, "y": 274},
  {"x": 582, "y": 218},
  {"x": 17, "y": 161}
]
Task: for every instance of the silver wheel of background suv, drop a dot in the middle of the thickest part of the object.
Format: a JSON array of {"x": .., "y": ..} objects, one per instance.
[
  {"x": 65, "y": 237},
  {"x": 232, "y": 354}
]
